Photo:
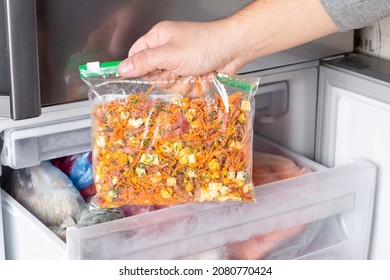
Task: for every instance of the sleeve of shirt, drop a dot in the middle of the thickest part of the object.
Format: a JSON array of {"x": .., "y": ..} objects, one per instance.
[{"x": 354, "y": 14}]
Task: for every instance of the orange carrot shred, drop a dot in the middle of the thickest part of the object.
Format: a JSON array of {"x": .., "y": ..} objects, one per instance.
[{"x": 149, "y": 152}]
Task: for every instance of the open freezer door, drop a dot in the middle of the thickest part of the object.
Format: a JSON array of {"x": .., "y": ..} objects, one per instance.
[{"x": 353, "y": 123}]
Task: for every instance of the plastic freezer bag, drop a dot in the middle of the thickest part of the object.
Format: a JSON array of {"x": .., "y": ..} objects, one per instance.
[
  {"x": 79, "y": 170},
  {"x": 170, "y": 140},
  {"x": 46, "y": 192}
]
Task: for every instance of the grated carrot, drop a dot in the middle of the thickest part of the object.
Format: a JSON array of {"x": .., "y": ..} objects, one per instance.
[{"x": 150, "y": 152}]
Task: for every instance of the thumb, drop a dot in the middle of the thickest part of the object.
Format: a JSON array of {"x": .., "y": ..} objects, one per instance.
[{"x": 144, "y": 62}]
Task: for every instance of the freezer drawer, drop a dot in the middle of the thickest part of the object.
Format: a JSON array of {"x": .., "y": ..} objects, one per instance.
[
  {"x": 335, "y": 204},
  {"x": 31, "y": 144}
]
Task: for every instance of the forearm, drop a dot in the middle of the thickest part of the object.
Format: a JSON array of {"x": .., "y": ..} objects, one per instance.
[{"x": 269, "y": 26}]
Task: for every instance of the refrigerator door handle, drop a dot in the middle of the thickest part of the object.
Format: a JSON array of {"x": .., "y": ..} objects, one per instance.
[{"x": 21, "y": 32}]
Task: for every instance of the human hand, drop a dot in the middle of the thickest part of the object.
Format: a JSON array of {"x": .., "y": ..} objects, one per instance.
[{"x": 184, "y": 48}]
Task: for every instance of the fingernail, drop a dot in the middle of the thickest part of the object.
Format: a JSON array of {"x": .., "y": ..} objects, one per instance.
[{"x": 126, "y": 67}]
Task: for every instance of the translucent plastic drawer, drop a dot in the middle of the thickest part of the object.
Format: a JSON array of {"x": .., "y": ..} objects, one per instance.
[{"x": 321, "y": 215}]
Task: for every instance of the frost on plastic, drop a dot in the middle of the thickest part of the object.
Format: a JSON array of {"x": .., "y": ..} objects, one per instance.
[{"x": 163, "y": 140}]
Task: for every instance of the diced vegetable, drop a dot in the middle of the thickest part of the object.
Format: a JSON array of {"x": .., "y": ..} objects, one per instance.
[{"x": 155, "y": 151}]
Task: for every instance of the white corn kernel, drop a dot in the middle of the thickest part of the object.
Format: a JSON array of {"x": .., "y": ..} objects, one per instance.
[
  {"x": 136, "y": 123},
  {"x": 140, "y": 171},
  {"x": 231, "y": 175},
  {"x": 171, "y": 182},
  {"x": 241, "y": 175},
  {"x": 224, "y": 190},
  {"x": 245, "y": 105},
  {"x": 214, "y": 186},
  {"x": 191, "y": 173},
  {"x": 191, "y": 158},
  {"x": 247, "y": 188},
  {"x": 100, "y": 141},
  {"x": 150, "y": 159}
]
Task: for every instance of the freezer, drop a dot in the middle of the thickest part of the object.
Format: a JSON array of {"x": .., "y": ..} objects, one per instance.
[{"x": 323, "y": 214}]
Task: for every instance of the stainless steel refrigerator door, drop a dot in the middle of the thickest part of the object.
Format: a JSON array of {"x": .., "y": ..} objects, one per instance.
[
  {"x": 353, "y": 123},
  {"x": 19, "y": 84},
  {"x": 72, "y": 32}
]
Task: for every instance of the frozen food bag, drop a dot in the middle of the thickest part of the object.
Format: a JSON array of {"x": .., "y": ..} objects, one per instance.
[
  {"x": 79, "y": 170},
  {"x": 278, "y": 245},
  {"x": 84, "y": 216},
  {"x": 269, "y": 168},
  {"x": 164, "y": 140},
  {"x": 46, "y": 192}
]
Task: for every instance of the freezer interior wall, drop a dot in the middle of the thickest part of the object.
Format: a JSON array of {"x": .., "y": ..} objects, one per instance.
[{"x": 295, "y": 127}]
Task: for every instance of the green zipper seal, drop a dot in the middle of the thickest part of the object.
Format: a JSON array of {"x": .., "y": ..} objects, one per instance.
[
  {"x": 94, "y": 69},
  {"x": 235, "y": 82}
]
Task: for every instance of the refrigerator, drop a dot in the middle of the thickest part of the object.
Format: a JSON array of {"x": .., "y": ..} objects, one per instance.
[{"x": 318, "y": 104}]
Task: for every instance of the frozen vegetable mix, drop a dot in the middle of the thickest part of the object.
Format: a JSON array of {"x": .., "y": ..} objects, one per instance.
[{"x": 170, "y": 140}]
